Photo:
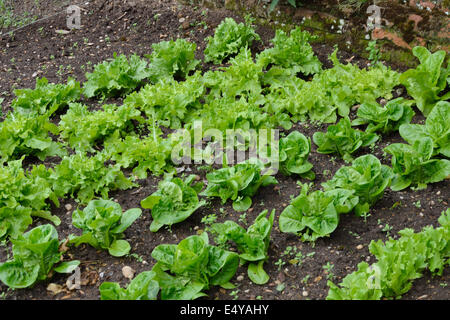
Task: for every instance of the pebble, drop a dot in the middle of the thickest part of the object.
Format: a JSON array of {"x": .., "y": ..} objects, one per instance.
[
  {"x": 128, "y": 272},
  {"x": 181, "y": 20},
  {"x": 359, "y": 246},
  {"x": 305, "y": 293},
  {"x": 240, "y": 278},
  {"x": 438, "y": 193}
]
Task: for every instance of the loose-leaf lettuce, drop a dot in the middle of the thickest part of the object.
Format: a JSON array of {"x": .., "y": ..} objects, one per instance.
[
  {"x": 143, "y": 287},
  {"x": 294, "y": 151}
]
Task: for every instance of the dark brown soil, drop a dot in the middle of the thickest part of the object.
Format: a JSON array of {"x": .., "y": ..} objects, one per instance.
[{"x": 132, "y": 28}]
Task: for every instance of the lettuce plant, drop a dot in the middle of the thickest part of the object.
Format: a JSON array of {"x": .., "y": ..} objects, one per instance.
[
  {"x": 116, "y": 77},
  {"x": 294, "y": 151},
  {"x": 437, "y": 127},
  {"x": 238, "y": 183},
  {"x": 35, "y": 254},
  {"x": 26, "y": 134},
  {"x": 385, "y": 119},
  {"x": 185, "y": 270},
  {"x": 292, "y": 52},
  {"x": 426, "y": 82},
  {"x": 316, "y": 214},
  {"x": 103, "y": 224},
  {"x": 142, "y": 287},
  {"x": 172, "y": 59},
  {"x": 343, "y": 139},
  {"x": 83, "y": 177},
  {"x": 173, "y": 202},
  {"x": 367, "y": 178},
  {"x": 399, "y": 262},
  {"x": 412, "y": 165},
  {"x": 229, "y": 38},
  {"x": 46, "y": 98},
  {"x": 24, "y": 194},
  {"x": 82, "y": 128},
  {"x": 252, "y": 243}
]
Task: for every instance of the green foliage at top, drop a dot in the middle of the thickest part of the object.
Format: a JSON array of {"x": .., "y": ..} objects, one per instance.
[
  {"x": 46, "y": 98},
  {"x": 292, "y": 52},
  {"x": 82, "y": 177},
  {"x": 23, "y": 194},
  {"x": 385, "y": 119},
  {"x": 437, "y": 128},
  {"x": 229, "y": 38},
  {"x": 316, "y": 214},
  {"x": 252, "y": 243},
  {"x": 174, "y": 201},
  {"x": 116, "y": 77},
  {"x": 412, "y": 164},
  {"x": 367, "y": 178},
  {"x": 142, "y": 287},
  {"x": 238, "y": 183},
  {"x": 83, "y": 128},
  {"x": 35, "y": 254},
  {"x": 168, "y": 102},
  {"x": 185, "y": 270},
  {"x": 26, "y": 134},
  {"x": 399, "y": 262},
  {"x": 103, "y": 224},
  {"x": 426, "y": 82},
  {"x": 343, "y": 139},
  {"x": 172, "y": 59}
]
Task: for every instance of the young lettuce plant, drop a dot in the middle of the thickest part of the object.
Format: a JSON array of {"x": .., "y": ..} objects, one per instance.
[
  {"x": 343, "y": 139},
  {"x": 46, "y": 98},
  {"x": 412, "y": 165},
  {"x": 428, "y": 80},
  {"x": 238, "y": 183},
  {"x": 316, "y": 214},
  {"x": 172, "y": 59},
  {"x": 35, "y": 254},
  {"x": 142, "y": 287},
  {"x": 367, "y": 178},
  {"x": 294, "y": 151},
  {"x": 174, "y": 201},
  {"x": 385, "y": 119},
  {"x": 399, "y": 262},
  {"x": 185, "y": 270},
  {"x": 116, "y": 77},
  {"x": 229, "y": 38},
  {"x": 437, "y": 127},
  {"x": 103, "y": 224},
  {"x": 252, "y": 243}
]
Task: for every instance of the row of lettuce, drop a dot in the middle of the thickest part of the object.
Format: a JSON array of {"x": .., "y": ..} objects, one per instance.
[{"x": 166, "y": 92}]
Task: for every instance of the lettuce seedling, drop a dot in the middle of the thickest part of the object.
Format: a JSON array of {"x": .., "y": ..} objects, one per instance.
[
  {"x": 143, "y": 287},
  {"x": 229, "y": 38},
  {"x": 238, "y": 183},
  {"x": 35, "y": 254},
  {"x": 173, "y": 202},
  {"x": 116, "y": 77},
  {"x": 185, "y": 270},
  {"x": 412, "y": 164},
  {"x": 252, "y": 243},
  {"x": 294, "y": 152},
  {"x": 437, "y": 127},
  {"x": 103, "y": 224},
  {"x": 426, "y": 82},
  {"x": 316, "y": 214},
  {"x": 172, "y": 59},
  {"x": 367, "y": 178},
  {"x": 385, "y": 119},
  {"x": 46, "y": 98},
  {"x": 343, "y": 139}
]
